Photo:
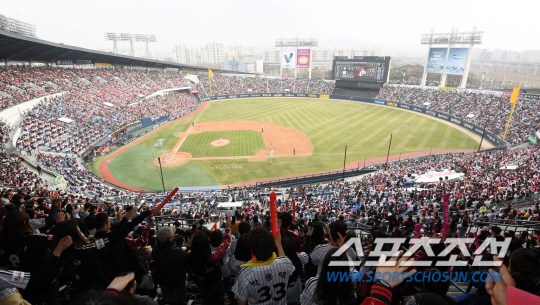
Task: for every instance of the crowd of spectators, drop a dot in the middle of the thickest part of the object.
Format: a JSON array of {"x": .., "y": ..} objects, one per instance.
[
  {"x": 14, "y": 173},
  {"x": 229, "y": 85},
  {"x": 92, "y": 121},
  {"x": 113, "y": 253},
  {"x": 78, "y": 181},
  {"x": 478, "y": 108}
]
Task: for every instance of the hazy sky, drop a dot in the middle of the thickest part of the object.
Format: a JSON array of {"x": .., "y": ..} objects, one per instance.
[{"x": 508, "y": 24}]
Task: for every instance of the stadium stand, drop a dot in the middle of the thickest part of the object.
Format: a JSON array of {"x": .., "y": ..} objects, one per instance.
[
  {"x": 483, "y": 109},
  {"x": 88, "y": 244}
]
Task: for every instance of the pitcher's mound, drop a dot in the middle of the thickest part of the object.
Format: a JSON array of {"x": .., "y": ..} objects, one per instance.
[{"x": 220, "y": 142}]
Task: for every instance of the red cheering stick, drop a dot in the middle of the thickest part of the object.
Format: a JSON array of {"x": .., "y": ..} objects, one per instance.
[
  {"x": 293, "y": 209},
  {"x": 171, "y": 194},
  {"x": 215, "y": 225},
  {"x": 446, "y": 212},
  {"x": 273, "y": 214},
  {"x": 417, "y": 229}
]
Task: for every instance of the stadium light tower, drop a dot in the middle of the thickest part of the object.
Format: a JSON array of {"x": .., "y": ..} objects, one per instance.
[
  {"x": 114, "y": 37},
  {"x": 435, "y": 55},
  {"x": 145, "y": 38},
  {"x": 17, "y": 27},
  {"x": 128, "y": 37}
]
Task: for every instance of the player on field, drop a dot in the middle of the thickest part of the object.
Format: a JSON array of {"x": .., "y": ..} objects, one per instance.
[{"x": 264, "y": 280}]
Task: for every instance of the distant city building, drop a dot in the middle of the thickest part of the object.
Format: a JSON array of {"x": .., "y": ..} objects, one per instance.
[
  {"x": 249, "y": 65},
  {"x": 527, "y": 56}
]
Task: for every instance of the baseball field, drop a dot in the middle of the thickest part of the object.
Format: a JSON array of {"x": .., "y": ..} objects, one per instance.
[{"x": 236, "y": 141}]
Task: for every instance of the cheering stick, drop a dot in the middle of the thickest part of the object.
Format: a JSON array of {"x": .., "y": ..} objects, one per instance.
[
  {"x": 273, "y": 214},
  {"x": 293, "y": 209},
  {"x": 446, "y": 213},
  {"x": 171, "y": 194}
]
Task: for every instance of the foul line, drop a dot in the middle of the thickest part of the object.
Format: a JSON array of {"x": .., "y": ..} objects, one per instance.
[{"x": 185, "y": 137}]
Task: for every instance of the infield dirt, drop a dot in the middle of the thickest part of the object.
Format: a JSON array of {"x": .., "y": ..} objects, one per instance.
[{"x": 286, "y": 142}]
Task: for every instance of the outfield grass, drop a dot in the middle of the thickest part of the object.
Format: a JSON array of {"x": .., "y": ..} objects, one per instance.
[
  {"x": 242, "y": 143},
  {"x": 364, "y": 128}
]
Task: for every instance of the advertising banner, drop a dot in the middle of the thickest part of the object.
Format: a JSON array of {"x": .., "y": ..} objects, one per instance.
[
  {"x": 531, "y": 96},
  {"x": 447, "y": 88},
  {"x": 303, "y": 58},
  {"x": 99, "y": 64},
  {"x": 456, "y": 61},
  {"x": 288, "y": 59},
  {"x": 154, "y": 120},
  {"x": 190, "y": 71},
  {"x": 436, "y": 59}
]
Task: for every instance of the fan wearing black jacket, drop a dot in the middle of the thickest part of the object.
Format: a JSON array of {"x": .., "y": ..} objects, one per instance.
[{"x": 169, "y": 267}]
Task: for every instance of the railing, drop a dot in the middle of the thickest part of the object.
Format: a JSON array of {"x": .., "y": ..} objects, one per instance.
[
  {"x": 515, "y": 225},
  {"x": 313, "y": 178},
  {"x": 169, "y": 220}
]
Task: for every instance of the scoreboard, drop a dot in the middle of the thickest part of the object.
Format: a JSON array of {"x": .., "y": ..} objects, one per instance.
[{"x": 372, "y": 69}]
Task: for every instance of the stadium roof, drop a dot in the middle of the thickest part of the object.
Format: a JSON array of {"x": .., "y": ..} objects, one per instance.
[{"x": 14, "y": 47}]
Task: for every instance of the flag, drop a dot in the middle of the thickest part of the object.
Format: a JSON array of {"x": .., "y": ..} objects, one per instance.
[
  {"x": 215, "y": 225},
  {"x": 210, "y": 75},
  {"x": 515, "y": 95}
]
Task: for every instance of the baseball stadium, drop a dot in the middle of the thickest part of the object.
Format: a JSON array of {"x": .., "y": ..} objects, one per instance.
[{"x": 141, "y": 171}]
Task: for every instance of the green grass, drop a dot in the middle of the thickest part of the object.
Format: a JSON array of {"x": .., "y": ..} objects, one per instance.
[
  {"x": 136, "y": 167},
  {"x": 364, "y": 128},
  {"x": 242, "y": 143}
]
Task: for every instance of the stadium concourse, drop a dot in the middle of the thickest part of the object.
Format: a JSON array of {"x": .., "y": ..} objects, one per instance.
[{"x": 94, "y": 243}]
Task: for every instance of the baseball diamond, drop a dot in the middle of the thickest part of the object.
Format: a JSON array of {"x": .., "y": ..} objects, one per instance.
[{"x": 306, "y": 136}]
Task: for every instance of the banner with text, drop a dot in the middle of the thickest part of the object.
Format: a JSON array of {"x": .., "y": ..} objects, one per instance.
[
  {"x": 303, "y": 57},
  {"x": 436, "y": 59}
]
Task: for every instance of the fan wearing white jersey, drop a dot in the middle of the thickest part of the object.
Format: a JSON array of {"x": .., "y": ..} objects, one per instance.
[
  {"x": 264, "y": 279},
  {"x": 338, "y": 229},
  {"x": 294, "y": 289}
]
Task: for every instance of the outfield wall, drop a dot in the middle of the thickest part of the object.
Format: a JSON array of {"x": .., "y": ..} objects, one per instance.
[{"x": 470, "y": 126}]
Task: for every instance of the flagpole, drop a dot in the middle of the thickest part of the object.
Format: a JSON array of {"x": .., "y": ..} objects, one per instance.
[
  {"x": 389, "y": 145},
  {"x": 210, "y": 80},
  {"x": 344, "y": 160}
]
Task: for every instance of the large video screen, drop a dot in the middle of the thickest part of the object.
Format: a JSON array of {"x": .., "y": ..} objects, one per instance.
[{"x": 362, "y": 68}]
